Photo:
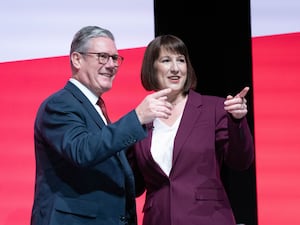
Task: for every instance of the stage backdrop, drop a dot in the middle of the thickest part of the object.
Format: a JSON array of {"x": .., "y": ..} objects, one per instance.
[
  {"x": 35, "y": 42},
  {"x": 35, "y": 39},
  {"x": 276, "y": 80}
]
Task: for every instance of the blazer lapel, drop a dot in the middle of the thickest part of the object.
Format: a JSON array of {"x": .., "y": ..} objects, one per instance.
[
  {"x": 129, "y": 183},
  {"x": 146, "y": 151},
  {"x": 85, "y": 103},
  {"x": 189, "y": 117},
  {"x": 95, "y": 115}
]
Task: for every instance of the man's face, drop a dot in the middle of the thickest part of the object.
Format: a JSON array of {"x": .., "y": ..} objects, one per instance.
[{"x": 93, "y": 71}]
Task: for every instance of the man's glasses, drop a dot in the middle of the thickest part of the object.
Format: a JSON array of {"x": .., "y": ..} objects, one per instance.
[{"x": 104, "y": 57}]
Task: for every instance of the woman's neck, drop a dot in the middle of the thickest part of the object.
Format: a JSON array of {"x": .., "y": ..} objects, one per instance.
[
  {"x": 178, "y": 106},
  {"x": 177, "y": 99}
]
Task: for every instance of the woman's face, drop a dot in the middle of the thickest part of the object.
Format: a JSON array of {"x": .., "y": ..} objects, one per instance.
[{"x": 171, "y": 70}]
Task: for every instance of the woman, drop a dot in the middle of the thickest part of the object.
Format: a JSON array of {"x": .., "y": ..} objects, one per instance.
[{"x": 179, "y": 163}]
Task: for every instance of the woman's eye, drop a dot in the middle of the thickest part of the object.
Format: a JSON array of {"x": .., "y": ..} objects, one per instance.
[{"x": 181, "y": 59}]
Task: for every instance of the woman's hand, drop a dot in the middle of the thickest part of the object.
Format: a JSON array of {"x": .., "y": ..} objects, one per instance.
[{"x": 237, "y": 105}]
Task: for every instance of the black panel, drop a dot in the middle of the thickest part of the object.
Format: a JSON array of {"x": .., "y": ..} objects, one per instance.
[{"x": 218, "y": 36}]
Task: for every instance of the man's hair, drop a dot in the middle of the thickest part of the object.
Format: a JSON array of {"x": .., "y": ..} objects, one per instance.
[{"x": 81, "y": 38}]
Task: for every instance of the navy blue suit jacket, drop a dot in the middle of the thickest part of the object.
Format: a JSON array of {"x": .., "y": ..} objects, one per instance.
[{"x": 82, "y": 174}]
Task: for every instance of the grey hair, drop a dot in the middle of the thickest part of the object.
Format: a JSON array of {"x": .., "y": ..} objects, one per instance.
[{"x": 82, "y": 37}]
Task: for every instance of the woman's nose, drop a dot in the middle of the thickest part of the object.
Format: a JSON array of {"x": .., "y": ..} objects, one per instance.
[{"x": 174, "y": 66}]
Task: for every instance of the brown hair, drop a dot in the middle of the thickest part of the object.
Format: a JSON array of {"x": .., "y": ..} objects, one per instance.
[{"x": 170, "y": 43}]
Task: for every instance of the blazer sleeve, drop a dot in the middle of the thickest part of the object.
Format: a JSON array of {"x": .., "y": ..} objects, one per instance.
[
  {"x": 240, "y": 154},
  {"x": 73, "y": 130},
  {"x": 234, "y": 140}
]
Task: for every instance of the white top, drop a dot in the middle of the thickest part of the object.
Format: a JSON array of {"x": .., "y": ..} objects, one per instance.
[{"x": 163, "y": 142}]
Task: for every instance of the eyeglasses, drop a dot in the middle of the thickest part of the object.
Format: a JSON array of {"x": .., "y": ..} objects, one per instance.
[{"x": 104, "y": 57}]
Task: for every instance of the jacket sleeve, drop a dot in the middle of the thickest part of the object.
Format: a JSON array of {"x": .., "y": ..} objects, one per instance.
[
  {"x": 234, "y": 141},
  {"x": 240, "y": 153},
  {"x": 75, "y": 134}
]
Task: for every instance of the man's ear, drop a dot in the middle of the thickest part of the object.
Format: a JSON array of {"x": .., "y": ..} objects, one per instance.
[{"x": 76, "y": 59}]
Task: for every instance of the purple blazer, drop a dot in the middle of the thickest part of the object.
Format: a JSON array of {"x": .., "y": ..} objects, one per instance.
[{"x": 193, "y": 193}]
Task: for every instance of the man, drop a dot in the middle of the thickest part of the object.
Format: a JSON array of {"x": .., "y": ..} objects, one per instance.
[{"x": 82, "y": 175}]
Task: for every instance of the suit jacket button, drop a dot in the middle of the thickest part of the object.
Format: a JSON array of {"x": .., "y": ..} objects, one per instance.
[{"x": 124, "y": 219}]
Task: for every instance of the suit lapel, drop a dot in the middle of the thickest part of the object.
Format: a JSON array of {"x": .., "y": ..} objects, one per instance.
[
  {"x": 129, "y": 184},
  {"x": 189, "y": 117},
  {"x": 96, "y": 117},
  {"x": 85, "y": 103}
]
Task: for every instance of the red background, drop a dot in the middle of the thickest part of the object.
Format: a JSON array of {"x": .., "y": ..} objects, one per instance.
[
  {"x": 276, "y": 70},
  {"x": 276, "y": 80}
]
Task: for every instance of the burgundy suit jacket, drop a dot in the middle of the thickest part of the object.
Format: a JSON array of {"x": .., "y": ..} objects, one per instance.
[{"x": 193, "y": 194}]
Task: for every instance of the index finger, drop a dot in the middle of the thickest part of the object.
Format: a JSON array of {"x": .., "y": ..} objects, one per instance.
[
  {"x": 243, "y": 92},
  {"x": 161, "y": 93}
]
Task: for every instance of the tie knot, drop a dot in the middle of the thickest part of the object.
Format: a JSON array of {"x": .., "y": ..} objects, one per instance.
[{"x": 100, "y": 102}]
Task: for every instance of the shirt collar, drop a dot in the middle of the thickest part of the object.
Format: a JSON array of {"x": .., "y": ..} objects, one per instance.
[{"x": 88, "y": 93}]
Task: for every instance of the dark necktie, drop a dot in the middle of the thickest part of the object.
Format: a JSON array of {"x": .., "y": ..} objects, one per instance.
[{"x": 101, "y": 104}]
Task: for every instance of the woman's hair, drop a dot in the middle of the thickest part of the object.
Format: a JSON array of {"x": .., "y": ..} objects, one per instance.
[{"x": 172, "y": 44}]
